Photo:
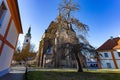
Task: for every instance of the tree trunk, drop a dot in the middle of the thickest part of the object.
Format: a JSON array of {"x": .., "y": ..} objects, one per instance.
[
  {"x": 78, "y": 63},
  {"x": 76, "y": 52}
]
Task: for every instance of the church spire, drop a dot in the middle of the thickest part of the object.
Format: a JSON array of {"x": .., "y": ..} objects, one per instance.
[
  {"x": 27, "y": 37},
  {"x": 29, "y": 32}
]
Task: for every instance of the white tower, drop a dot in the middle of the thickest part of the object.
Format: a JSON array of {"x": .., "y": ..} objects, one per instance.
[{"x": 27, "y": 38}]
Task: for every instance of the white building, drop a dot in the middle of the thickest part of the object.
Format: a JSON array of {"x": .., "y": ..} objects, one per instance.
[
  {"x": 109, "y": 54},
  {"x": 10, "y": 28},
  {"x": 91, "y": 60}
]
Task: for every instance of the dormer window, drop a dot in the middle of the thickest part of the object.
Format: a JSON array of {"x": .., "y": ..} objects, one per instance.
[{"x": 2, "y": 11}]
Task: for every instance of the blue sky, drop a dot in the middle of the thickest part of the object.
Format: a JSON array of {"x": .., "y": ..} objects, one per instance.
[{"x": 102, "y": 17}]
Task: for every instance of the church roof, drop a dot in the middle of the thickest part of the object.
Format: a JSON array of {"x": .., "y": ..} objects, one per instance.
[{"x": 110, "y": 44}]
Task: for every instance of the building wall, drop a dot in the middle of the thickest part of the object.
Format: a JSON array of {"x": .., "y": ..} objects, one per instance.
[
  {"x": 5, "y": 58},
  {"x": 104, "y": 60},
  {"x": 117, "y": 58},
  {"x": 8, "y": 40},
  {"x": 12, "y": 34},
  {"x": 118, "y": 63},
  {"x": 102, "y": 56},
  {"x": 91, "y": 62},
  {"x": 116, "y": 55},
  {"x": 104, "y": 64},
  {"x": 5, "y": 20}
]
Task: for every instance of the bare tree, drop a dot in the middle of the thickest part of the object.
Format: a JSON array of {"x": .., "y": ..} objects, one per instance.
[
  {"x": 16, "y": 56},
  {"x": 24, "y": 54},
  {"x": 66, "y": 8}
]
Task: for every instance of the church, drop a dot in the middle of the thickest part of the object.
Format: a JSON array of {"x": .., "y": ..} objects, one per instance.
[
  {"x": 10, "y": 28},
  {"x": 54, "y": 49},
  {"x": 27, "y": 38}
]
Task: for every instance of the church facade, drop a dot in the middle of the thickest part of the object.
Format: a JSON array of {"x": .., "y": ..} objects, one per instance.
[
  {"x": 55, "y": 49},
  {"x": 10, "y": 28},
  {"x": 52, "y": 47}
]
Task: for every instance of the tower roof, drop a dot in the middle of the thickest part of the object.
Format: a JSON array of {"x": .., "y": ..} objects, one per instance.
[{"x": 29, "y": 32}]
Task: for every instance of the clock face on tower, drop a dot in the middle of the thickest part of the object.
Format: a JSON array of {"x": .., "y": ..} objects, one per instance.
[{"x": 26, "y": 40}]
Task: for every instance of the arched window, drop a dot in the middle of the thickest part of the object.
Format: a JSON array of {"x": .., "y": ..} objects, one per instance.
[{"x": 49, "y": 49}]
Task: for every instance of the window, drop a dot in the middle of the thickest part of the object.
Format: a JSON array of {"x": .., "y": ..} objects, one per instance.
[
  {"x": 119, "y": 54},
  {"x": 109, "y": 65},
  {"x": 49, "y": 49},
  {"x": 106, "y": 54},
  {"x": 2, "y": 11},
  {"x": 27, "y": 40}
]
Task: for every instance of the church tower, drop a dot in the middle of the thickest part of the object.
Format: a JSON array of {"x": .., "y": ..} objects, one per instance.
[{"x": 27, "y": 38}]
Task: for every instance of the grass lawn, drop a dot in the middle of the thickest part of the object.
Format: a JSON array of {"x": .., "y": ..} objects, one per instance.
[{"x": 67, "y": 74}]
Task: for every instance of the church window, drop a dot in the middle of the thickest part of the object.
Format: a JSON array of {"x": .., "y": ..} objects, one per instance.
[
  {"x": 2, "y": 12},
  {"x": 49, "y": 50}
]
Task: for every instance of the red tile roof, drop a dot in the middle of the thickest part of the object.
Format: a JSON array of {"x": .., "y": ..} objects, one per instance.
[
  {"x": 118, "y": 46},
  {"x": 110, "y": 44}
]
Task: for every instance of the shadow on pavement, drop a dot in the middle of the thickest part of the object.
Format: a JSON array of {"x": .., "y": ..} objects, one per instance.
[{"x": 13, "y": 76}]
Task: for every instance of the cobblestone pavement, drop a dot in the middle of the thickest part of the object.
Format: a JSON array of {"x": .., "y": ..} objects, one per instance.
[{"x": 16, "y": 73}]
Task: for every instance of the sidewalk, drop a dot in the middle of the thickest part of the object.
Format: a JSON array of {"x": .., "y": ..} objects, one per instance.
[{"x": 16, "y": 73}]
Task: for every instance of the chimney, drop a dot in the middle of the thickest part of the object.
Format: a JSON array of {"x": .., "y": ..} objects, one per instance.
[{"x": 111, "y": 37}]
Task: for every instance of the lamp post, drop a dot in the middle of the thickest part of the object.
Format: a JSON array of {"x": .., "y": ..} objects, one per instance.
[{"x": 26, "y": 70}]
